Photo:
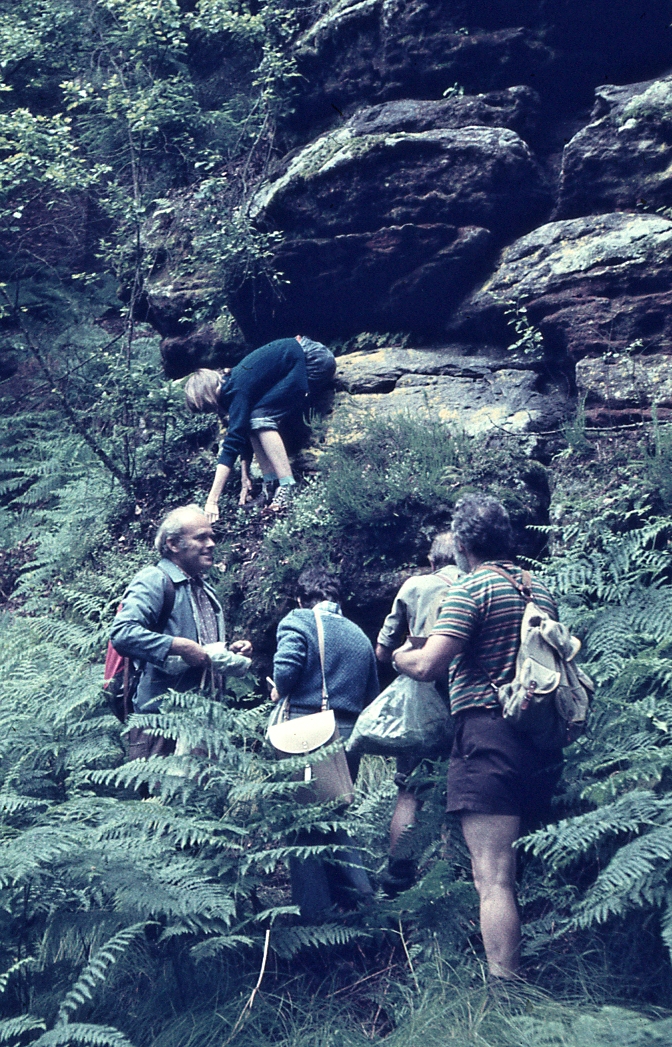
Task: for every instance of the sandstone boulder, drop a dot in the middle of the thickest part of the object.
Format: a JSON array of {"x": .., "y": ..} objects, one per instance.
[
  {"x": 623, "y": 157},
  {"x": 469, "y": 393},
  {"x": 592, "y": 285},
  {"x": 516, "y": 108},
  {"x": 388, "y": 231},
  {"x": 624, "y": 386},
  {"x": 346, "y": 182}
]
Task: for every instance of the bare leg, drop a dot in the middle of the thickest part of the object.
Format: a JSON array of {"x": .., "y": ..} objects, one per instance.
[
  {"x": 264, "y": 464},
  {"x": 245, "y": 481},
  {"x": 273, "y": 450},
  {"x": 490, "y": 839},
  {"x": 403, "y": 818}
]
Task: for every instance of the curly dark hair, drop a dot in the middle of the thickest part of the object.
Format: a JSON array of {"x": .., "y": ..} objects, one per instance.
[
  {"x": 315, "y": 584},
  {"x": 482, "y": 525}
]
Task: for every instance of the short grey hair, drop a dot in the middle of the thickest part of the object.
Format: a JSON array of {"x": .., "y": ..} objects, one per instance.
[
  {"x": 442, "y": 551},
  {"x": 172, "y": 526},
  {"x": 482, "y": 525}
]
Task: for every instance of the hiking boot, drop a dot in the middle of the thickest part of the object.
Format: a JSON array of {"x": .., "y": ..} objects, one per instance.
[
  {"x": 282, "y": 499},
  {"x": 400, "y": 876}
]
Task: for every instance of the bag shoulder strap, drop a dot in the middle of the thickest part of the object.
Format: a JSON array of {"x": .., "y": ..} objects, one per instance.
[
  {"x": 320, "y": 644},
  {"x": 523, "y": 588},
  {"x": 168, "y": 602}
]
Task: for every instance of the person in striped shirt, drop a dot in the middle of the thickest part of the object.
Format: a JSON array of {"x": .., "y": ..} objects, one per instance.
[{"x": 496, "y": 778}]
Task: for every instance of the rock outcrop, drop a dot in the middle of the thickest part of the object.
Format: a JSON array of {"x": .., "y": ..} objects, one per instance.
[
  {"x": 516, "y": 108},
  {"x": 425, "y": 189},
  {"x": 384, "y": 49},
  {"x": 394, "y": 278},
  {"x": 592, "y": 285},
  {"x": 349, "y": 182},
  {"x": 395, "y": 227},
  {"x": 473, "y": 394},
  {"x": 622, "y": 387},
  {"x": 623, "y": 157}
]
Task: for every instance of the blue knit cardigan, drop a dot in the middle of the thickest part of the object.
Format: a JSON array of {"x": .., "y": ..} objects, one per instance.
[{"x": 350, "y": 663}]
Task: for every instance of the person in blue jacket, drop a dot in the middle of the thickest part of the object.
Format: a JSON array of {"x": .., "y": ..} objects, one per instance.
[
  {"x": 352, "y": 682},
  {"x": 260, "y": 392}
]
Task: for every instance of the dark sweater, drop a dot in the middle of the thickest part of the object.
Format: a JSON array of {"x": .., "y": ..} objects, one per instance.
[
  {"x": 274, "y": 377},
  {"x": 350, "y": 664}
]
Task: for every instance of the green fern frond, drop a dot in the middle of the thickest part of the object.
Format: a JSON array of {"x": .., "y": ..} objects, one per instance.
[
  {"x": 12, "y": 1030},
  {"x": 635, "y": 875},
  {"x": 287, "y": 941},
  {"x": 563, "y": 842},
  {"x": 76, "y": 1033},
  {"x": 26, "y": 964},
  {"x": 96, "y": 970},
  {"x": 212, "y": 947}
]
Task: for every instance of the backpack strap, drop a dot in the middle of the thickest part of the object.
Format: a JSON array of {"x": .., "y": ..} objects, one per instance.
[
  {"x": 168, "y": 602},
  {"x": 161, "y": 623},
  {"x": 523, "y": 588},
  {"x": 320, "y": 643}
]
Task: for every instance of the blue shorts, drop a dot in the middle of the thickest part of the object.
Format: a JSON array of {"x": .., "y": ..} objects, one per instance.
[{"x": 264, "y": 420}]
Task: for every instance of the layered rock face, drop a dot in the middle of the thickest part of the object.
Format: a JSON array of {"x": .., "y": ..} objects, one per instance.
[
  {"x": 471, "y": 394},
  {"x": 444, "y": 170}
]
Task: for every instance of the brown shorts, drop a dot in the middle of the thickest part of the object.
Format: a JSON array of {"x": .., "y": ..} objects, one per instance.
[{"x": 493, "y": 769}]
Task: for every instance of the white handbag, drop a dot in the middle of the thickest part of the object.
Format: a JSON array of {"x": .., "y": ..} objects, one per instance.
[{"x": 328, "y": 778}]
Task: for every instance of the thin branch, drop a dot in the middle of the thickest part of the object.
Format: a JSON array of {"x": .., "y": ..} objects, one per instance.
[
  {"x": 77, "y": 424},
  {"x": 408, "y": 957},
  {"x": 248, "y": 1005}
]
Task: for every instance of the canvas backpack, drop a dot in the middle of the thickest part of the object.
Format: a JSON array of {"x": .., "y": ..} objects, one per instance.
[
  {"x": 121, "y": 675},
  {"x": 549, "y": 696}
]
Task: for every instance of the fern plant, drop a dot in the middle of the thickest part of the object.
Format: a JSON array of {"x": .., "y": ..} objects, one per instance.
[
  {"x": 612, "y": 579},
  {"x": 95, "y": 883}
]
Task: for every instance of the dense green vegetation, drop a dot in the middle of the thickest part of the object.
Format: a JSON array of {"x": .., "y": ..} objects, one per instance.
[
  {"x": 150, "y": 922},
  {"x": 151, "y": 917}
]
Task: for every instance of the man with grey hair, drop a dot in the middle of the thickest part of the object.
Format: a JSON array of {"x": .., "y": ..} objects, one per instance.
[
  {"x": 413, "y": 613},
  {"x": 175, "y": 649},
  {"x": 496, "y": 777}
]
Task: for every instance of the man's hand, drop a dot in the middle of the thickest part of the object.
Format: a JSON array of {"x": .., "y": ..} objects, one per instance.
[
  {"x": 211, "y": 511},
  {"x": 190, "y": 651},
  {"x": 275, "y": 697},
  {"x": 242, "y": 647}
]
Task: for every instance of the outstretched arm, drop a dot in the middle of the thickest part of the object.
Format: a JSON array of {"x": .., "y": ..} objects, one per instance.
[
  {"x": 430, "y": 661},
  {"x": 222, "y": 473}
]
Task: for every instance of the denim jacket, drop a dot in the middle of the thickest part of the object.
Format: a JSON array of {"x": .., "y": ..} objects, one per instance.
[{"x": 132, "y": 633}]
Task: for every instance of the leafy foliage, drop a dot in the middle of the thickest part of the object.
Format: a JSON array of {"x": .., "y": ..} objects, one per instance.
[
  {"x": 94, "y": 881},
  {"x": 612, "y": 577}
]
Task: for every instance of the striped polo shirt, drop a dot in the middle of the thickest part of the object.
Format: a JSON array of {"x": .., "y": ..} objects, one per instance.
[{"x": 485, "y": 610}]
